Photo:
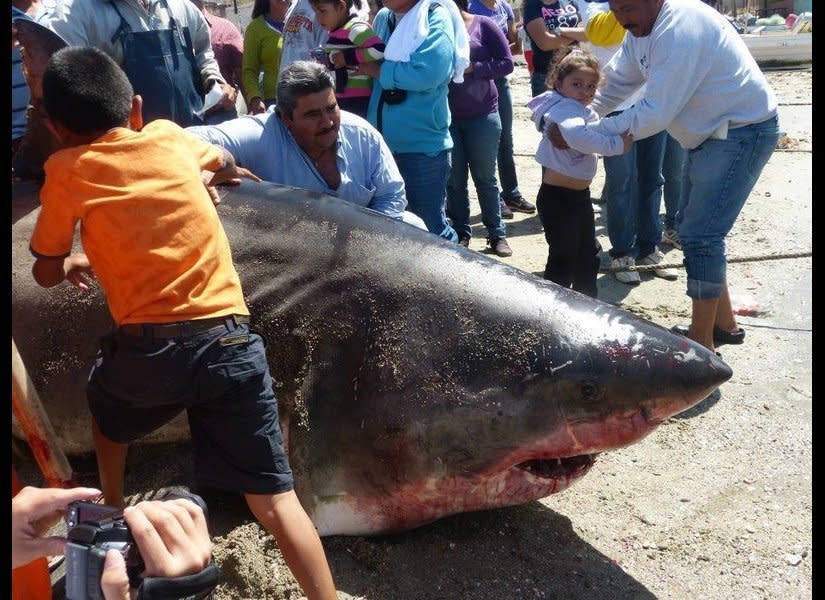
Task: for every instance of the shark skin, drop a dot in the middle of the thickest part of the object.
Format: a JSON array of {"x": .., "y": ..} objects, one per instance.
[{"x": 416, "y": 378}]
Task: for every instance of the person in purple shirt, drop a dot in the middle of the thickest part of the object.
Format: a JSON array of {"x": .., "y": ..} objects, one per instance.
[
  {"x": 511, "y": 199},
  {"x": 476, "y": 129}
]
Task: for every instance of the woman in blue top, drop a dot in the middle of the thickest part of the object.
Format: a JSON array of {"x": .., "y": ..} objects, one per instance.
[{"x": 409, "y": 105}]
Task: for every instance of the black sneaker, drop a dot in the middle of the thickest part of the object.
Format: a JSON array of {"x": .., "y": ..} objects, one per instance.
[
  {"x": 519, "y": 204},
  {"x": 506, "y": 213},
  {"x": 500, "y": 247},
  {"x": 463, "y": 240}
]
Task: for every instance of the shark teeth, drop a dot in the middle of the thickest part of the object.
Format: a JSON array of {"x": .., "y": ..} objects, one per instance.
[{"x": 556, "y": 468}]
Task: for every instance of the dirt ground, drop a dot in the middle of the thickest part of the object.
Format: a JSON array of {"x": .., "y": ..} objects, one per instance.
[{"x": 716, "y": 503}]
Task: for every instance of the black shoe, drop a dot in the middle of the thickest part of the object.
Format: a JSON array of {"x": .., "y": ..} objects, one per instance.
[
  {"x": 464, "y": 240},
  {"x": 519, "y": 204},
  {"x": 506, "y": 213},
  {"x": 500, "y": 247},
  {"x": 720, "y": 336}
]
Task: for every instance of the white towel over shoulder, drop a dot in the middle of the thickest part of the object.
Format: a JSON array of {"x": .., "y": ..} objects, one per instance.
[{"x": 413, "y": 28}]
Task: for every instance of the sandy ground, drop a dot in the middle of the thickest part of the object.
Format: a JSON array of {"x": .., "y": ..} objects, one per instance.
[{"x": 715, "y": 503}]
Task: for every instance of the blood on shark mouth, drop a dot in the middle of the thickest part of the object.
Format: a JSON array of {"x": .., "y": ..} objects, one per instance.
[{"x": 557, "y": 468}]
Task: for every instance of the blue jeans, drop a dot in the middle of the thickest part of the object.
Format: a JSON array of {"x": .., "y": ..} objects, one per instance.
[
  {"x": 538, "y": 83},
  {"x": 475, "y": 145},
  {"x": 673, "y": 170},
  {"x": 425, "y": 179},
  {"x": 633, "y": 186},
  {"x": 506, "y": 161},
  {"x": 720, "y": 177}
]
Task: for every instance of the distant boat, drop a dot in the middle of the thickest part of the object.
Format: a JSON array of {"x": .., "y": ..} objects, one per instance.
[{"x": 779, "y": 46}]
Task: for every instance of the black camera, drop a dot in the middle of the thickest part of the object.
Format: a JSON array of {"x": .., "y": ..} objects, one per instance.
[
  {"x": 93, "y": 530},
  {"x": 393, "y": 96}
]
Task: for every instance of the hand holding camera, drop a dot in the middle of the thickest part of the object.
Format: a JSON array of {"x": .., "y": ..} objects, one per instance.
[
  {"x": 33, "y": 512},
  {"x": 162, "y": 548}
]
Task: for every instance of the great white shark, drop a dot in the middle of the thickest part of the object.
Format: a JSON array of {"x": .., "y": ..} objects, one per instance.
[{"x": 416, "y": 378}]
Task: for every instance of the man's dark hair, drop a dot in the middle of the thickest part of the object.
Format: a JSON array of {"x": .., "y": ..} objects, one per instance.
[
  {"x": 299, "y": 79},
  {"x": 86, "y": 91}
]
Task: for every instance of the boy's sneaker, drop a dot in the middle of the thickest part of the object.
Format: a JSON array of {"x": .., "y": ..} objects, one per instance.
[
  {"x": 519, "y": 204},
  {"x": 506, "y": 213},
  {"x": 655, "y": 258},
  {"x": 500, "y": 247},
  {"x": 628, "y": 277},
  {"x": 671, "y": 238}
]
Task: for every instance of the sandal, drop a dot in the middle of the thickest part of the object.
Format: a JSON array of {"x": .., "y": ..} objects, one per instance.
[{"x": 720, "y": 336}]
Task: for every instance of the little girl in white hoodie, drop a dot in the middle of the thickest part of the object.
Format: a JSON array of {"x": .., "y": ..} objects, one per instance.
[{"x": 563, "y": 200}]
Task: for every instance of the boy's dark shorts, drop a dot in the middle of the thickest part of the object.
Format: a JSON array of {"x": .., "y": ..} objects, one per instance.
[{"x": 221, "y": 377}]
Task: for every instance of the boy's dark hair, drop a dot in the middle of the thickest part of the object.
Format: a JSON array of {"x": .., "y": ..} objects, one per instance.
[{"x": 86, "y": 91}]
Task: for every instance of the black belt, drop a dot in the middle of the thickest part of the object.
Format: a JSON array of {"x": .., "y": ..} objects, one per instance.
[{"x": 182, "y": 328}]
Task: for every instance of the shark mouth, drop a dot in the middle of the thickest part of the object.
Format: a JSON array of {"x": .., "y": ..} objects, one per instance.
[{"x": 570, "y": 467}]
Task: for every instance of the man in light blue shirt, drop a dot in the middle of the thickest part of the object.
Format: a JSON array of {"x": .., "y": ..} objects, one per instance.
[{"x": 308, "y": 142}]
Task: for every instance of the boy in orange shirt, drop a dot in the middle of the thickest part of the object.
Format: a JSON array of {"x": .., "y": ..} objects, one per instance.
[{"x": 153, "y": 239}]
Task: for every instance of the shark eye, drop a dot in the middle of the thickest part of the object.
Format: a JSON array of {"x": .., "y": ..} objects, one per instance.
[{"x": 589, "y": 390}]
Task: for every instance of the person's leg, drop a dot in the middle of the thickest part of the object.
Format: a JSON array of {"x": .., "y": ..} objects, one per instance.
[
  {"x": 560, "y": 232},
  {"x": 458, "y": 199},
  {"x": 725, "y": 319},
  {"x": 481, "y": 149},
  {"x": 425, "y": 180},
  {"x": 620, "y": 199},
  {"x": 135, "y": 386},
  {"x": 283, "y": 516},
  {"x": 586, "y": 271},
  {"x": 721, "y": 175},
  {"x": 507, "y": 177},
  {"x": 538, "y": 83},
  {"x": 650, "y": 153},
  {"x": 238, "y": 446},
  {"x": 111, "y": 466},
  {"x": 510, "y": 195},
  {"x": 673, "y": 170},
  {"x": 703, "y": 314},
  {"x": 618, "y": 184}
]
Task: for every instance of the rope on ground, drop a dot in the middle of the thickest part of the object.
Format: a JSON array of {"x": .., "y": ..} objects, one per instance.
[
  {"x": 803, "y": 150},
  {"x": 736, "y": 259}
]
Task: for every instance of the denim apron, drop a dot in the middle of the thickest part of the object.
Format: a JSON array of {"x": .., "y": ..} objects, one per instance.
[{"x": 162, "y": 69}]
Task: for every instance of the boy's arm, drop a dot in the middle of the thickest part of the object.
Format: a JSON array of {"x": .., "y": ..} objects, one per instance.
[
  {"x": 51, "y": 240},
  {"x": 230, "y": 172},
  {"x": 48, "y": 271}
]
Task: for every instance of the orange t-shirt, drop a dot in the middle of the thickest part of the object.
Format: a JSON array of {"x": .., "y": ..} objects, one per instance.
[{"x": 147, "y": 224}]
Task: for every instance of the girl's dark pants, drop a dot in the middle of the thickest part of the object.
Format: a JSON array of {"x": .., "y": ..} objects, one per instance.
[{"x": 570, "y": 231}]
